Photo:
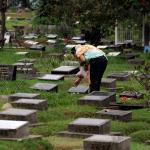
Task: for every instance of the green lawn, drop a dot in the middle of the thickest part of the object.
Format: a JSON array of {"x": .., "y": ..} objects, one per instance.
[{"x": 63, "y": 107}]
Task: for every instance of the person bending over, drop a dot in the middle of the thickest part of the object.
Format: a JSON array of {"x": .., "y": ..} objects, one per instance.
[{"x": 95, "y": 62}]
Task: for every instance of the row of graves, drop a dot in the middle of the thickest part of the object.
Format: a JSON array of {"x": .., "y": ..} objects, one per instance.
[{"x": 14, "y": 122}]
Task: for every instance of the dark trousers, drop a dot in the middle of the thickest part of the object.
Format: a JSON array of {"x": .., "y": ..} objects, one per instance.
[{"x": 97, "y": 68}]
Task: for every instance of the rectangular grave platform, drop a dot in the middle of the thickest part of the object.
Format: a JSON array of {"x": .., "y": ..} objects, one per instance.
[
  {"x": 79, "y": 89},
  {"x": 38, "y": 104},
  {"x": 19, "y": 114},
  {"x": 107, "y": 142},
  {"x": 13, "y": 129},
  {"x": 22, "y": 53},
  {"x": 51, "y": 77},
  {"x": 27, "y": 60},
  {"x": 45, "y": 87},
  {"x": 130, "y": 55},
  {"x": 23, "y": 65},
  {"x": 100, "y": 99},
  {"x": 120, "y": 76},
  {"x": 17, "y": 96},
  {"x": 90, "y": 125},
  {"x": 132, "y": 94},
  {"x": 108, "y": 82},
  {"x": 122, "y": 106},
  {"x": 136, "y": 61},
  {"x": 66, "y": 70},
  {"x": 115, "y": 114},
  {"x": 7, "y": 72}
]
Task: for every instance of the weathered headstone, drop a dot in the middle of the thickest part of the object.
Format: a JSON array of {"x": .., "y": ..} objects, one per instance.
[
  {"x": 13, "y": 129},
  {"x": 131, "y": 94},
  {"x": 79, "y": 89},
  {"x": 8, "y": 72},
  {"x": 107, "y": 142},
  {"x": 65, "y": 70},
  {"x": 19, "y": 114},
  {"x": 90, "y": 125},
  {"x": 27, "y": 60},
  {"x": 53, "y": 77},
  {"x": 115, "y": 114},
  {"x": 100, "y": 99},
  {"x": 17, "y": 96},
  {"x": 121, "y": 76},
  {"x": 38, "y": 104},
  {"x": 108, "y": 82},
  {"x": 45, "y": 87}
]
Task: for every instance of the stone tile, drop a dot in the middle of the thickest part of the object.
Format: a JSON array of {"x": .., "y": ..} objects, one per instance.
[
  {"x": 45, "y": 87},
  {"x": 120, "y": 76},
  {"x": 115, "y": 114},
  {"x": 13, "y": 129},
  {"x": 111, "y": 95},
  {"x": 23, "y": 95},
  {"x": 79, "y": 89},
  {"x": 65, "y": 70},
  {"x": 90, "y": 125},
  {"x": 108, "y": 82},
  {"x": 131, "y": 94},
  {"x": 19, "y": 114},
  {"x": 38, "y": 104},
  {"x": 52, "y": 77},
  {"x": 100, "y": 99},
  {"x": 27, "y": 60},
  {"x": 7, "y": 72},
  {"x": 107, "y": 142}
]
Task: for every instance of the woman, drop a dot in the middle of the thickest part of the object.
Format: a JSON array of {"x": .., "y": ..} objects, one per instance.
[{"x": 95, "y": 59}]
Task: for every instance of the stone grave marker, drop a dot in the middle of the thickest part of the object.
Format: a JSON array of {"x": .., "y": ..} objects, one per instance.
[
  {"x": 108, "y": 82},
  {"x": 115, "y": 114},
  {"x": 76, "y": 38},
  {"x": 45, "y": 87},
  {"x": 90, "y": 125},
  {"x": 66, "y": 70},
  {"x": 79, "y": 89},
  {"x": 27, "y": 60},
  {"x": 38, "y": 104},
  {"x": 80, "y": 41},
  {"x": 7, "y": 72},
  {"x": 51, "y": 77},
  {"x": 23, "y": 65},
  {"x": 100, "y": 99},
  {"x": 131, "y": 94},
  {"x": 19, "y": 114},
  {"x": 51, "y": 41},
  {"x": 113, "y": 54},
  {"x": 69, "y": 46},
  {"x": 22, "y": 53},
  {"x": 51, "y": 36},
  {"x": 13, "y": 129},
  {"x": 136, "y": 61},
  {"x": 17, "y": 96},
  {"x": 121, "y": 76},
  {"x": 107, "y": 142}
]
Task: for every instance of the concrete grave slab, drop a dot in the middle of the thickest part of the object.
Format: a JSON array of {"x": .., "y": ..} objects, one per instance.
[
  {"x": 45, "y": 87},
  {"x": 108, "y": 82},
  {"x": 131, "y": 94},
  {"x": 17, "y": 96},
  {"x": 90, "y": 125},
  {"x": 51, "y": 77},
  {"x": 114, "y": 54},
  {"x": 136, "y": 61},
  {"x": 19, "y": 114},
  {"x": 76, "y": 38},
  {"x": 38, "y": 104},
  {"x": 70, "y": 63},
  {"x": 23, "y": 65},
  {"x": 7, "y": 72},
  {"x": 22, "y": 53},
  {"x": 66, "y": 70},
  {"x": 107, "y": 142},
  {"x": 79, "y": 89},
  {"x": 120, "y": 76},
  {"x": 51, "y": 41},
  {"x": 51, "y": 36},
  {"x": 115, "y": 114},
  {"x": 69, "y": 46},
  {"x": 27, "y": 60},
  {"x": 13, "y": 129},
  {"x": 80, "y": 41}
]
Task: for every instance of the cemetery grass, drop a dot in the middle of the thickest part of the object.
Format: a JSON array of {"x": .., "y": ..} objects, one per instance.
[{"x": 63, "y": 107}]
